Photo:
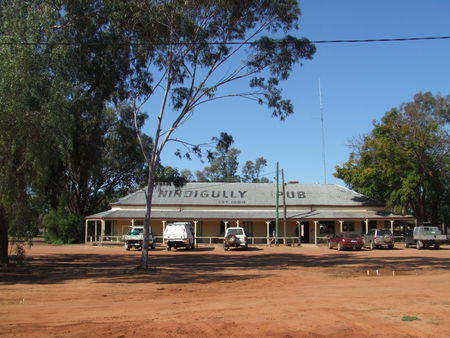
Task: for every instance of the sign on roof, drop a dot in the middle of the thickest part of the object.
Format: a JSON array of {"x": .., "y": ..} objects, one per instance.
[{"x": 249, "y": 194}]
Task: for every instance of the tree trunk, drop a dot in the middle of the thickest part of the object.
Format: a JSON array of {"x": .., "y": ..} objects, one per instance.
[
  {"x": 4, "y": 259},
  {"x": 419, "y": 211},
  {"x": 147, "y": 223}
]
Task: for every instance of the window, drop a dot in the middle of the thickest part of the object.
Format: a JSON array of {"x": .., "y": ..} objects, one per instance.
[
  {"x": 372, "y": 225},
  {"x": 326, "y": 227},
  {"x": 234, "y": 231},
  {"x": 248, "y": 227},
  {"x": 348, "y": 227}
]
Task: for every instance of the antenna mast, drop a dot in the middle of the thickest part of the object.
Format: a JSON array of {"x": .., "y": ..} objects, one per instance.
[{"x": 323, "y": 135}]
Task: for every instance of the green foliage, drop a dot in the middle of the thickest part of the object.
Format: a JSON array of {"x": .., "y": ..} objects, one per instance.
[
  {"x": 169, "y": 175},
  {"x": 223, "y": 161},
  {"x": 61, "y": 226},
  {"x": 65, "y": 132},
  {"x": 251, "y": 172},
  {"x": 409, "y": 318},
  {"x": 224, "y": 165},
  {"x": 404, "y": 162}
]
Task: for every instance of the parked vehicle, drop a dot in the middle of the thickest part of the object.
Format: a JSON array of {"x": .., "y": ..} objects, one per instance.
[
  {"x": 135, "y": 238},
  {"x": 424, "y": 237},
  {"x": 346, "y": 240},
  {"x": 179, "y": 234},
  {"x": 235, "y": 237},
  {"x": 379, "y": 238}
]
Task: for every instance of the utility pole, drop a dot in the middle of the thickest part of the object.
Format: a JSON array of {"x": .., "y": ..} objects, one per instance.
[
  {"x": 277, "y": 206},
  {"x": 284, "y": 206}
]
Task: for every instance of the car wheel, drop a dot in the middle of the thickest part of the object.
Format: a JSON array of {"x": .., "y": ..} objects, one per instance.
[
  {"x": 330, "y": 246},
  {"x": 390, "y": 247},
  {"x": 339, "y": 246},
  {"x": 127, "y": 247},
  {"x": 372, "y": 246},
  {"x": 245, "y": 246},
  {"x": 419, "y": 245},
  {"x": 192, "y": 246},
  {"x": 169, "y": 248},
  {"x": 152, "y": 246}
]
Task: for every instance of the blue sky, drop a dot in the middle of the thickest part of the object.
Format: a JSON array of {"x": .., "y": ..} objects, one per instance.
[{"x": 359, "y": 81}]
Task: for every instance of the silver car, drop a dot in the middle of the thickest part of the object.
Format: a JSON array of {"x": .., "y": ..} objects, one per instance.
[{"x": 379, "y": 238}]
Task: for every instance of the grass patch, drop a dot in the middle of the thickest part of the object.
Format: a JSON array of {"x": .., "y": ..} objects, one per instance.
[{"x": 409, "y": 318}]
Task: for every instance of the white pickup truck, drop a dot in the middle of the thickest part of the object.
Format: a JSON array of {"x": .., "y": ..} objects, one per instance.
[{"x": 135, "y": 238}]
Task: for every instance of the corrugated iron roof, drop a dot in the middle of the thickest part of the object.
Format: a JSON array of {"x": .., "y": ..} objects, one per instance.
[
  {"x": 249, "y": 194},
  {"x": 224, "y": 215}
]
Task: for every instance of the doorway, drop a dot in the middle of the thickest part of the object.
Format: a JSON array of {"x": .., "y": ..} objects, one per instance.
[{"x": 305, "y": 234}]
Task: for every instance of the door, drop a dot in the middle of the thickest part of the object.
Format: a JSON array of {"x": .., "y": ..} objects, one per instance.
[{"x": 305, "y": 235}]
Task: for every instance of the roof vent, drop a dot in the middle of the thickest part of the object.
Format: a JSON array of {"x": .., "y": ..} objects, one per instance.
[{"x": 292, "y": 182}]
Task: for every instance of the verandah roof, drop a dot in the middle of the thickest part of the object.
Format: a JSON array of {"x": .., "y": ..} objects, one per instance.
[{"x": 245, "y": 215}]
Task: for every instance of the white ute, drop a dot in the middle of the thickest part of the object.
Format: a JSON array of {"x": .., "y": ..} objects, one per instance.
[
  {"x": 178, "y": 234},
  {"x": 135, "y": 238}
]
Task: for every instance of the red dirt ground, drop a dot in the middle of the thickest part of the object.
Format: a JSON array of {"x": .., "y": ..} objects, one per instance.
[{"x": 308, "y": 291}]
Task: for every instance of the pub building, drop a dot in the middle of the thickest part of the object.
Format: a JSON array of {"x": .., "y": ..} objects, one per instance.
[{"x": 307, "y": 213}]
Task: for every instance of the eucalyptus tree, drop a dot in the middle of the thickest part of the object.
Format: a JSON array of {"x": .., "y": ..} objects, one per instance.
[
  {"x": 224, "y": 164},
  {"x": 68, "y": 138},
  {"x": 405, "y": 160},
  {"x": 252, "y": 171},
  {"x": 26, "y": 119},
  {"x": 223, "y": 161},
  {"x": 196, "y": 51}
]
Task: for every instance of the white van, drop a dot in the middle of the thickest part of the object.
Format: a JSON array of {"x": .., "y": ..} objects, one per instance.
[{"x": 178, "y": 234}]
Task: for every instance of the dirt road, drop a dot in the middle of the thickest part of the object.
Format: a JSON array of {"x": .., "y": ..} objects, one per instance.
[{"x": 93, "y": 291}]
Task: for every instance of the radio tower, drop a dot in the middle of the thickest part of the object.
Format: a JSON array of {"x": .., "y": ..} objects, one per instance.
[{"x": 323, "y": 135}]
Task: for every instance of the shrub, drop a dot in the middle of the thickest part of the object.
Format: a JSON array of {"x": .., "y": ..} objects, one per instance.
[{"x": 62, "y": 226}]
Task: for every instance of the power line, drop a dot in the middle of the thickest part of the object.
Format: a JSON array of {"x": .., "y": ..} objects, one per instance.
[
  {"x": 41, "y": 43},
  {"x": 383, "y": 40}
]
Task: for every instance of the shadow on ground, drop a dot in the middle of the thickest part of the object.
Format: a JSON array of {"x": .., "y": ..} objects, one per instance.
[{"x": 199, "y": 266}]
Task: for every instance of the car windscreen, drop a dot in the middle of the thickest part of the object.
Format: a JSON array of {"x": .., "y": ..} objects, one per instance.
[
  {"x": 351, "y": 235},
  {"x": 235, "y": 232},
  {"x": 174, "y": 228},
  {"x": 383, "y": 232},
  {"x": 431, "y": 230}
]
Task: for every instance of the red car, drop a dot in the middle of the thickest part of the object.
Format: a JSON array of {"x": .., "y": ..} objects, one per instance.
[{"x": 346, "y": 240}]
